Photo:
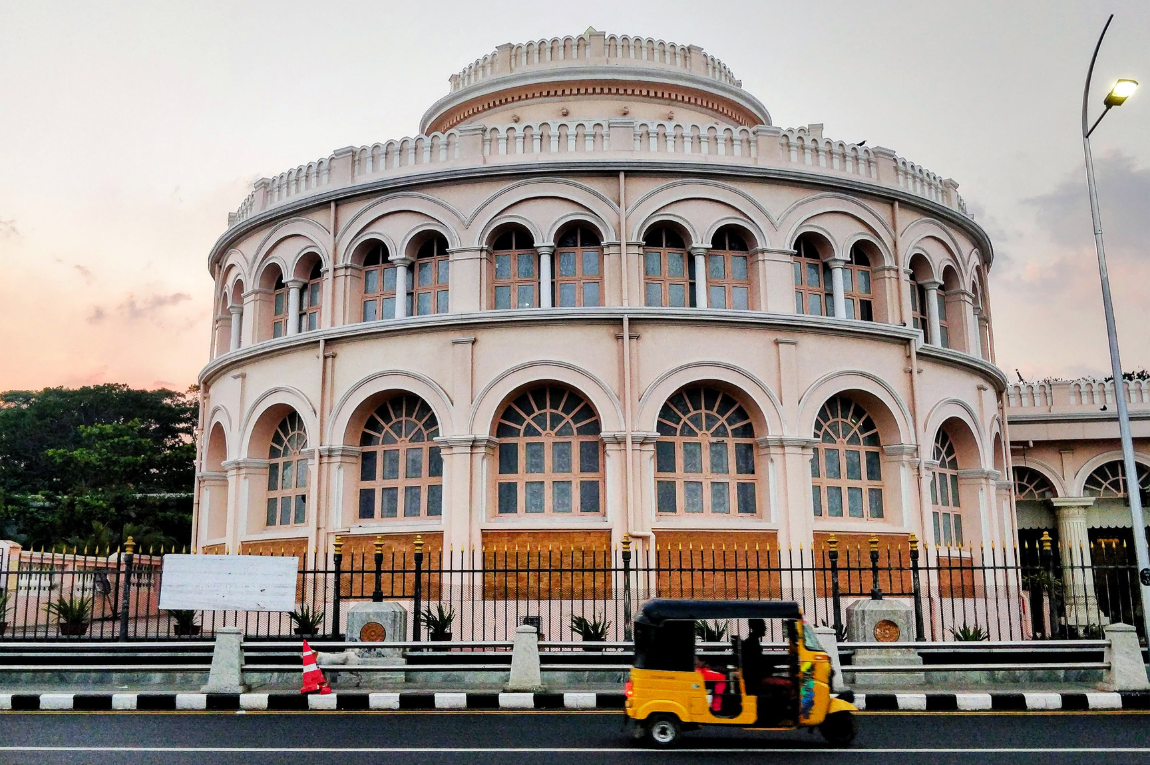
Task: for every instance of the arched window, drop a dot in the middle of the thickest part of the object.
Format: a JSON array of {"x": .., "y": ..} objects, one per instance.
[
  {"x": 287, "y": 474},
  {"x": 846, "y": 468},
  {"x": 1029, "y": 484},
  {"x": 728, "y": 272},
  {"x": 429, "y": 281},
  {"x": 309, "y": 300},
  {"x": 401, "y": 468},
  {"x": 378, "y": 285},
  {"x": 578, "y": 269},
  {"x": 705, "y": 455},
  {"x": 1108, "y": 481},
  {"x": 944, "y": 493},
  {"x": 857, "y": 286},
  {"x": 279, "y": 308},
  {"x": 812, "y": 280},
  {"x": 667, "y": 271},
  {"x": 943, "y": 330},
  {"x": 918, "y": 314},
  {"x": 550, "y": 455},
  {"x": 516, "y": 266}
]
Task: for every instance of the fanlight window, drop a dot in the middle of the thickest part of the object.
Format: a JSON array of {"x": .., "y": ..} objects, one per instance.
[
  {"x": 578, "y": 269},
  {"x": 287, "y": 474},
  {"x": 550, "y": 455},
  {"x": 705, "y": 455},
  {"x": 846, "y": 468},
  {"x": 429, "y": 277},
  {"x": 1108, "y": 481},
  {"x": 309, "y": 300},
  {"x": 667, "y": 270},
  {"x": 516, "y": 264},
  {"x": 728, "y": 272},
  {"x": 401, "y": 467},
  {"x": 812, "y": 281},
  {"x": 944, "y": 493},
  {"x": 1029, "y": 484}
]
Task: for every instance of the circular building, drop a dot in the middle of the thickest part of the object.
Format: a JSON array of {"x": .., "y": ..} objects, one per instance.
[{"x": 599, "y": 294}]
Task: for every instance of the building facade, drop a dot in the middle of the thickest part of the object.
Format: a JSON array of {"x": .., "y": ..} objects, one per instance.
[{"x": 602, "y": 294}]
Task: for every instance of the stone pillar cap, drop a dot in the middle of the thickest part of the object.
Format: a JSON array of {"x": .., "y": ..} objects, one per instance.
[{"x": 526, "y": 628}]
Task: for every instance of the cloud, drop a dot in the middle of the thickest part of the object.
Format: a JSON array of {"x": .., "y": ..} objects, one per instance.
[
  {"x": 133, "y": 309},
  {"x": 89, "y": 277},
  {"x": 96, "y": 315},
  {"x": 8, "y": 229}
]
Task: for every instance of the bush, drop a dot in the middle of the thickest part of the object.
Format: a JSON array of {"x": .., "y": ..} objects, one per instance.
[
  {"x": 439, "y": 621},
  {"x": 594, "y": 630},
  {"x": 307, "y": 619},
  {"x": 966, "y": 633}
]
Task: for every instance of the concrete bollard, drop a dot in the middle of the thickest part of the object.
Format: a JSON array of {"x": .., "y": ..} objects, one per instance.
[
  {"x": 830, "y": 644},
  {"x": 1127, "y": 672},
  {"x": 227, "y": 675},
  {"x": 525, "y": 675}
]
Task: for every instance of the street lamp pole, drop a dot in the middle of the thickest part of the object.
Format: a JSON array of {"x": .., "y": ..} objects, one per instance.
[{"x": 1115, "y": 98}]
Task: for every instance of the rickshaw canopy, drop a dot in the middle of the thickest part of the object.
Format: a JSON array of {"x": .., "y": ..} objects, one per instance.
[{"x": 658, "y": 611}]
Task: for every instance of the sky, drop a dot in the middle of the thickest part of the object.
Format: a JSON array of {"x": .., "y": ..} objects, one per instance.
[{"x": 129, "y": 130}]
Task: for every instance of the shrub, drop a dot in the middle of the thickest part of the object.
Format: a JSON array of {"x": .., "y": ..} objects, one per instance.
[
  {"x": 710, "y": 632},
  {"x": 966, "y": 633},
  {"x": 594, "y": 630},
  {"x": 439, "y": 621}
]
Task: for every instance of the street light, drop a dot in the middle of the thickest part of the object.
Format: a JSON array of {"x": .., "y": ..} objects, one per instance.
[{"x": 1117, "y": 96}]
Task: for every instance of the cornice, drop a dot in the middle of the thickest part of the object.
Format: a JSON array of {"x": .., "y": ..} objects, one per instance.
[{"x": 1087, "y": 416}]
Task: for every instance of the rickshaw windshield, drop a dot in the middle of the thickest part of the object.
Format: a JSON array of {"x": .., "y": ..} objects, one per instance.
[{"x": 811, "y": 638}]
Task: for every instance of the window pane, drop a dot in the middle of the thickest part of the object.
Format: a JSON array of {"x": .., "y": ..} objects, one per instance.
[
  {"x": 738, "y": 267},
  {"x": 677, "y": 295},
  {"x": 533, "y": 497},
  {"x": 434, "y": 462},
  {"x": 441, "y": 301},
  {"x": 301, "y": 474},
  {"x": 525, "y": 296},
  {"x": 798, "y": 267},
  {"x": 590, "y": 263},
  {"x": 664, "y": 457},
  {"x": 508, "y": 459},
  {"x": 745, "y": 459},
  {"x": 566, "y": 264},
  {"x": 367, "y": 503},
  {"x": 813, "y": 275},
  {"x": 958, "y": 529},
  {"x": 561, "y": 457},
  {"x": 561, "y": 497},
  {"x": 855, "y": 501},
  {"x": 832, "y": 462},
  {"x": 817, "y": 499},
  {"x": 312, "y": 321},
  {"x": 566, "y": 295},
  {"x": 692, "y": 457},
  {"x": 415, "y": 463},
  {"x": 946, "y": 529},
  {"x": 502, "y": 266},
  {"x": 740, "y": 299},
  {"x": 719, "y": 457},
  {"x": 371, "y": 282},
  {"x": 535, "y": 458},
  {"x": 815, "y": 464},
  {"x": 591, "y": 293},
  {"x": 435, "y": 500},
  {"x": 390, "y": 464},
  {"x": 693, "y": 496},
  {"x": 873, "y": 467},
  {"x": 286, "y": 475},
  {"x": 716, "y": 267},
  {"x": 654, "y": 294},
  {"x": 848, "y": 280},
  {"x": 588, "y": 456},
  {"x": 389, "y": 504},
  {"x": 675, "y": 266},
  {"x": 411, "y": 497},
  {"x": 665, "y": 493},
  {"x": 389, "y": 308},
  {"x": 367, "y": 465},
  {"x": 278, "y": 329},
  {"x": 937, "y": 534},
  {"x": 273, "y": 476},
  {"x": 389, "y": 279},
  {"x": 370, "y": 310},
  {"x": 444, "y": 269},
  {"x": 503, "y": 297},
  {"x": 423, "y": 274},
  {"x": 815, "y": 305},
  {"x": 525, "y": 265},
  {"x": 717, "y": 297},
  {"x": 279, "y": 304},
  {"x": 300, "y": 508},
  {"x": 849, "y": 306},
  {"x": 285, "y": 511},
  {"x": 746, "y": 492},
  {"x": 854, "y": 465},
  {"x": 864, "y": 282},
  {"x": 588, "y": 496},
  {"x": 423, "y": 304},
  {"x": 720, "y": 497},
  {"x": 835, "y": 501},
  {"x": 271, "y": 512},
  {"x": 800, "y": 305},
  {"x": 943, "y": 491},
  {"x": 875, "y": 497},
  {"x": 508, "y": 498},
  {"x": 652, "y": 264},
  {"x": 954, "y": 490}
]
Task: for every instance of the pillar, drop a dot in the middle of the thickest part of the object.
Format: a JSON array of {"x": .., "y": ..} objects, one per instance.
[
  {"x": 1077, "y": 574},
  {"x": 545, "y": 253},
  {"x": 840, "y": 300},
  {"x": 293, "y": 286},
  {"x": 699, "y": 253},
  {"x": 401, "y": 265},
  {"x": 931, "y": 289},
  {"x": 237, "y": 312}
]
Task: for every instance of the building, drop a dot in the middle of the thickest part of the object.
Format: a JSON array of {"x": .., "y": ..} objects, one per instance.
[{"x": 602, "y": 294}]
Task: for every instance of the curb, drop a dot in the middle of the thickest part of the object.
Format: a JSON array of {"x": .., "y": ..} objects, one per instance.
[{"x": 427, "y": 700}]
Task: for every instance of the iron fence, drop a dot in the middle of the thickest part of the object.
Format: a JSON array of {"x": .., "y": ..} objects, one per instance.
[{"x": 992, "y": 593}]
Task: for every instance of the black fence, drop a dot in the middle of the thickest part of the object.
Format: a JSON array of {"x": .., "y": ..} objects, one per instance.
[{"x": 993, "y": 593}]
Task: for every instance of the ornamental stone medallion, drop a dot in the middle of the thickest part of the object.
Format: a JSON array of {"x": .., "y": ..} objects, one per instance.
[
  {"x": 372, "y": 632},
  {"x": 886, "y": 631}
]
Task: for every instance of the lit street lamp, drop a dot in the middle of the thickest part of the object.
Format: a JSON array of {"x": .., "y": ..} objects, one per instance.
[{"x": 1122, "y": 90}]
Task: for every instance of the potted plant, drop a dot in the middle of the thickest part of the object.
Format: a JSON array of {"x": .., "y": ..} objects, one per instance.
[
  {"x": 184, "y": 622},
  {"x": 710, "y": 632},
  {"x": 438, "y": 622},
  {"x": 592, "y": 631},
  {"x": 967, "y": 633},
  {"x": 73, "y": 614},
  {"x": 307, "y": 619},
  {"x": 3, "y": 611}
]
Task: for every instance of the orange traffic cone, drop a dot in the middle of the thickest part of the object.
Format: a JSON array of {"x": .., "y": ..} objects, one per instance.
[{"x": 313, "y": 679}]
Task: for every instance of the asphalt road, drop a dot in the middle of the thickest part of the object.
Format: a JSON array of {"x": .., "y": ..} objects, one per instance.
[{"x": 560, "y": 738}]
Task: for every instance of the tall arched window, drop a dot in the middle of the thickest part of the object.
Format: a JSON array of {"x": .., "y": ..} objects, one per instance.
[
  {"x": 857, "y": 286},
  {"x": 429, "y": 280},
  {"x": 378, "y": 285},
  {"x": 667, "y": 270},
  {"x": 578, "y": 269},
  {"x": 846, "y": 468},
  {"x": 401, "y": 468},
  {"x": 918, "y": 314},
  {"x": 279, "y": 308},
  {"x": 728, "y": 272},
  {"x": 1029, "y": 484},
  {"x": 287, "y": 474},
  {"x": 944, "y": 493},
  {"x": 943, "y": 330},
  {"x": 812, "y": 280},
  {"x": 1108, "y": 481},
  {"x": 550, "y": 455},
  {"x": 705, "y": 455},
  {"x": 516, "y": 267},
  {"x": 309, "y": 300}
]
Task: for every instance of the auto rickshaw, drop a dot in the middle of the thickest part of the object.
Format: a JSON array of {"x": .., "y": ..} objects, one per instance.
[{"x": 670, "y": 691}]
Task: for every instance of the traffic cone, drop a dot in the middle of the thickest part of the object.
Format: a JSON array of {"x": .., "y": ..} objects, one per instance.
[{"x": 313, "y": 679}]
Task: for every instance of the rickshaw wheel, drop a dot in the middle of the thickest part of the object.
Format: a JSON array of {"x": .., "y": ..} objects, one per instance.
[
  {"x": 663, "y": 730},
  {"x": 840, "y": 729}
]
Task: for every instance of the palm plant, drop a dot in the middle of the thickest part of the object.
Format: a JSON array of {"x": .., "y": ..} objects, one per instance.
[
  {"x": 438, "y": 622},
  {"x": 710, "y": 632},
  {"x": 307, "y": 620},
  {"x": 185, "y": 621},
  {"x": 965, "y": 633},
  {"x": 72, "y": 613},
  {"x": 593, "y": 630}
]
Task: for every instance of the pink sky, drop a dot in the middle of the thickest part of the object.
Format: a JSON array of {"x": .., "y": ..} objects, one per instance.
[{"x": 130, "y": 130}]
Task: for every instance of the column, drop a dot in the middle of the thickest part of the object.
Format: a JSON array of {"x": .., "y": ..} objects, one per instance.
[
  {"x": 545, "y": 253},
  {"x": 401, "y": 265},
  {"x": 237, "y": 312},
  {"x": 774, "y": 274},
  {"x": 293, "y": 286},
  {"x": 1074, "y": 549},
  {"x": 699, "y": 253},
  {"x": 840, "y": 300},
  {"x": 931, "y": 289}
]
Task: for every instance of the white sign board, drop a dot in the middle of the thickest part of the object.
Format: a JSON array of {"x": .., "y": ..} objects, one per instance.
[{"x": 229, "y": 582}]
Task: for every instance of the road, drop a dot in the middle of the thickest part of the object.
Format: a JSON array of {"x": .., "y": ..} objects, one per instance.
[{"x": 560, "y": 738}]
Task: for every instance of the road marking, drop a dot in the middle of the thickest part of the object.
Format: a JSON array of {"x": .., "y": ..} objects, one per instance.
[{"x": 566, "y": 750}]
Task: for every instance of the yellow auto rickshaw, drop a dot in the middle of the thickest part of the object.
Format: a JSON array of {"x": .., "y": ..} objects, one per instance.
[{"x": 671, "y": 689}]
